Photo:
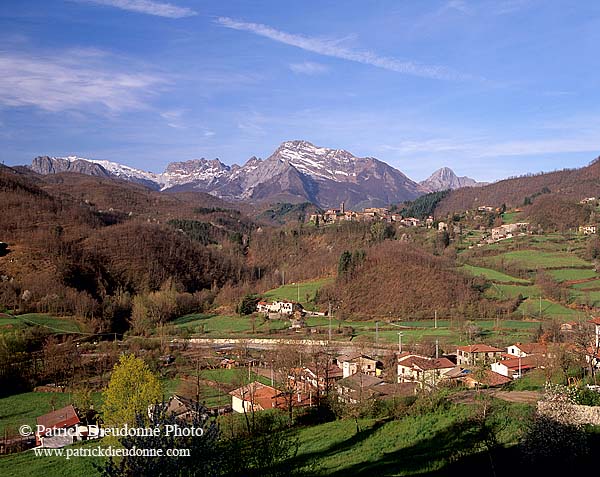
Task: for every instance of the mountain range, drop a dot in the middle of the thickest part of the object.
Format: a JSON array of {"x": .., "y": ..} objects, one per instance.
[{"x": 297, "y": 171}]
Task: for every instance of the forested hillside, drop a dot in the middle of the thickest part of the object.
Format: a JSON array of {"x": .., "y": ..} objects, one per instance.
[{"x": 573, "y": 184}]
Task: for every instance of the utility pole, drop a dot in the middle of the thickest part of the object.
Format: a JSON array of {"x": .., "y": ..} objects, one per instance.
[
  {"x": 400, "y": 342},
  {"x": 298, "y": 292},
  {"x": 437, "y": 348},
  {"x": 435, "y": 319},
  {"x": 376, "y": 333},
  {"x": 197, "y": 381},
  {"x": 329, "y": 314}
]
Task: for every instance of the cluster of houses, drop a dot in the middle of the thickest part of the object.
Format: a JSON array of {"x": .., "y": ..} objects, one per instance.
[
  {"x": 355, "y": 378},
  {"x": 368, "y": 214}
]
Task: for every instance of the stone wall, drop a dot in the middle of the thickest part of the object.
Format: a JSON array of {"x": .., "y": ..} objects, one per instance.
[{"x": 570, "y": 413}]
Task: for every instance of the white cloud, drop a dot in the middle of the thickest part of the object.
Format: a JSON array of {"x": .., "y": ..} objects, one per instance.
[
  {"x": 148, "y": 7},
  {"x": 486, "y": 147},
  {"x": 73, "y": 80},
  {"x": 333, "y": 48},
  {"x": 308, "y": 68},
  {"x": 173, "y": 118}
]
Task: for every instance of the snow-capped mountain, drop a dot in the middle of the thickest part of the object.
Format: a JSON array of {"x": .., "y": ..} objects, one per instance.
[
  {"x": 445, "y": 178},
  {"x": 296, "y": 171},
  {"x": 94, "y": 167}
]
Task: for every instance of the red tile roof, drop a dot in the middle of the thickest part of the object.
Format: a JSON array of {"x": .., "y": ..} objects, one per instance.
[
  {"x": 426, "y": 363},
  {"x": 479, "y": 348},
  {"x": 528, "y": 362},
  {"x": 531, "y": 348},
  {"x": 65, "y": 417},
  {"x": 489, "y": 378},
  {"x": 261, "y": 395}
]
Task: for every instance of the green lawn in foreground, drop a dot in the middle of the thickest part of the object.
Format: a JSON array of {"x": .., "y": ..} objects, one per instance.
[
  {"x": 534, "y": 259},
  {"x": 298, "y": 291},
  {"x": 414, "y": 445},
  {"x": 493, "y": 275},
  {"x": 26, "y": 463}
]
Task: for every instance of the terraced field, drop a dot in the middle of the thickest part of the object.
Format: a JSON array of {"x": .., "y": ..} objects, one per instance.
[
  {"x": 532, "y": 260},
  {"x": 493, "y": 275}
]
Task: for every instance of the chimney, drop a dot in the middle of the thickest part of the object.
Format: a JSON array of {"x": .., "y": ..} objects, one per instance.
[{"x": 342, "y": 208}]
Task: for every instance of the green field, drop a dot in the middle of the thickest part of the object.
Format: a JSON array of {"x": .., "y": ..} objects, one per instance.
[
  {"x": 303, "y": 292},
  {"x": 586, "y": 297},
  {"x": 215, "y": 326},
  {"x": 531, "y": 308},
  {"x": 569, "y": 274},
  {"x": 532, "y": 260},
  {"x": 53, "y": 324},
  {"x": 591, "y": 285},
  {"x": 505, "y": 292},
  {"x": 493, "y": 275},
  {"x": 511, "y": 217},
  {"x": 235, "y": 376}
]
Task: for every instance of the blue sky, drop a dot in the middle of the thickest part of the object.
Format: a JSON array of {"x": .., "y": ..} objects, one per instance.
[{"x": 491, "y": 88}]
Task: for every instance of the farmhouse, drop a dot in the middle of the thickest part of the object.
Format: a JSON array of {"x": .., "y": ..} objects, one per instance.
[
  {"x": 282, "y": 307},
  {"x": 422, "y": 369},
  {"x": 587, "y": 229},
  {"x": 477, "y": 354},
  {"x": 515, "y": 367},
  {"x": 527, "y": 349},
  {"x": 59, "y": 428},
  {"x": 359, "y": 363},
  {"x": 254, "y": 397},
  {"x": 310, "y": 378}
]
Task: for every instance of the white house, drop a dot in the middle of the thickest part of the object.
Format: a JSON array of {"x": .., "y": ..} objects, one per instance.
[
  {"x": 423, "y": 369},
  {"x": 515, "y": 367},
  {"x": 526, "y": 349},
  {"x": 359, "y": 363},
  {"x": 282, "y": 307}
]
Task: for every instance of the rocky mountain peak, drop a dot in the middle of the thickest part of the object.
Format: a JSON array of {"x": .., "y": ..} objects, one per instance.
[{"x": 445, "y": 178}]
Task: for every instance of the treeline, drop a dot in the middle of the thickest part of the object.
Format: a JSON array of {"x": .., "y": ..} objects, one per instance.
[{"x": 423, "y": 206}]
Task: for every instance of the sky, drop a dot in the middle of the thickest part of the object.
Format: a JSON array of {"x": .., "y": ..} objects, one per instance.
[{"x": 490, "y": 88}]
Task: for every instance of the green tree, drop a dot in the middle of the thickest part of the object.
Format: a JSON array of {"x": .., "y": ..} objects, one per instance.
[
  {"x": 344, "y": 264},
  {"x": 247, "y": 305},
  {"x": 131, "y": 389}
]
